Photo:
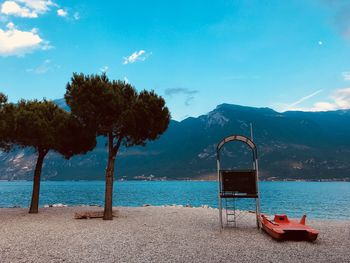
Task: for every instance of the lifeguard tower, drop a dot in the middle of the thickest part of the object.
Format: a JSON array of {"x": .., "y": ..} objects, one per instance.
[{"x": 237, "y": 184}]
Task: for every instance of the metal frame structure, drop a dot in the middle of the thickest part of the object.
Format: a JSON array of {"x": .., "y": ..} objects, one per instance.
[{"x": 234, "y": 184}]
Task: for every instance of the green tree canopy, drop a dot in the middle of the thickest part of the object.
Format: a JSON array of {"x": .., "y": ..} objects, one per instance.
[
  {"x": 44, "y": 126},
  {"x": 116, "y": 110},
  {"x": 5, "y": 123}
]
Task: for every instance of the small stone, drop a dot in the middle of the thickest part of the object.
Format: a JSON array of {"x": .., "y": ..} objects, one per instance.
[{"x": 59, "y": 205}]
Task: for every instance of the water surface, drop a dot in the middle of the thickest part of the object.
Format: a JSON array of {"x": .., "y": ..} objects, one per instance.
[{"x": 326, "y": 200}]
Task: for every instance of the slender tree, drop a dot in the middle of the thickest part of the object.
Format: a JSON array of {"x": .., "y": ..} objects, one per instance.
[
  {"x": 44, "y": 126},
  {"x": 114, "y": 109}
]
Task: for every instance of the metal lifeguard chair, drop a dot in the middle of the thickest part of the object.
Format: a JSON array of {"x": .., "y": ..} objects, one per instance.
[{"x": 234, "y": 184}]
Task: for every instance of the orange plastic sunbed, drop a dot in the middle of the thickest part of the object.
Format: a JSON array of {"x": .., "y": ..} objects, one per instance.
[{"x": 281, "y": 228}]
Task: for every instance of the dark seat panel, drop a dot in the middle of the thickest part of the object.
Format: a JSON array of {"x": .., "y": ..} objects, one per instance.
[{"x": 243, "y": 181}]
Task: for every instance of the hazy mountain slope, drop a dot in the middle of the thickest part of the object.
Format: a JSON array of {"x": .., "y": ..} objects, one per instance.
[{"x": 306, "y": 145}]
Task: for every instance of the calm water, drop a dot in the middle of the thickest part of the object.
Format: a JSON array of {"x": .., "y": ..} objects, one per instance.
[{"x": 327, "y": 200}]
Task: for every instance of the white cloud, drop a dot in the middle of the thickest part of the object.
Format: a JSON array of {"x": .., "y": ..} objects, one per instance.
[
  {"x": 126, "y": 80},
  {"x": 322, "y": 106},
  {"x": 342, "y": 98},
  {"x": 12, "y": 8},
  {"x": 136, "y": 56},
  {"x": 339, "y": 100},
  {"x": 62, "y": 12},
  {"x": 346, "y": 75},
  {"x": 14, "y": 42},
  {"x": 104, "y": 69},
  {"x": 26, "y": 8},
  {"x": 40, "y": 6},
  {"x": 301, "y": 100}
]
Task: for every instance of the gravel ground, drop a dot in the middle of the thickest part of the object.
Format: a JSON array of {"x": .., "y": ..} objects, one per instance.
[{"x": 156, "y": 234}]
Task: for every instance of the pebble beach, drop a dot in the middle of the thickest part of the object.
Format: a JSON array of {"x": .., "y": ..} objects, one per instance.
[{"x": 157, "y": 234}]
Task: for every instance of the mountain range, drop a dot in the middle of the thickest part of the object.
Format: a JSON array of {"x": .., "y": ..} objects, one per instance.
[{"x": 291, "y": 145}]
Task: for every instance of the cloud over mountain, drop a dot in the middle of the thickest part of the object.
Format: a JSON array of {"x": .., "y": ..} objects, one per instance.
[{"x": 189, "y": 94}]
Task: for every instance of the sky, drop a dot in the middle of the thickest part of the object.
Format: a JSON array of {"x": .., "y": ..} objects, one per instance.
[{"x": 197, "y": 54}]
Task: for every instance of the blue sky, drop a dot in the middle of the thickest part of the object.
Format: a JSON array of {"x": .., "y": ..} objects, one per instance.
[{"x": 197, "y": 54}]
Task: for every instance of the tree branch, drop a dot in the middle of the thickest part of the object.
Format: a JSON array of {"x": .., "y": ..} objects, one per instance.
[{"x": 117, "y": 146}]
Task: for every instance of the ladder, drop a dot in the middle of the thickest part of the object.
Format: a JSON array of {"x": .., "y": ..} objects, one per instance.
[{"x": 230, "y": 210}]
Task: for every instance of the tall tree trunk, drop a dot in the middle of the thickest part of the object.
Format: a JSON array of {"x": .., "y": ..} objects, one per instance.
[
  {"x": 112, "y": 153},
  {"x": 34, "y": 205},
  {"x": 108, "y": 214}
]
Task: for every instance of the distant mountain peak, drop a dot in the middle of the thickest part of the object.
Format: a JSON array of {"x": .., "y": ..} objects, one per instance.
[
  {"x": 227, "y": 106},
  {"x": 215, "y": 118}
]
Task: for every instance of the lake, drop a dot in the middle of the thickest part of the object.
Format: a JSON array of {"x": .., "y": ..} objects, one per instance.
[{"x": 322, "y": 200}]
